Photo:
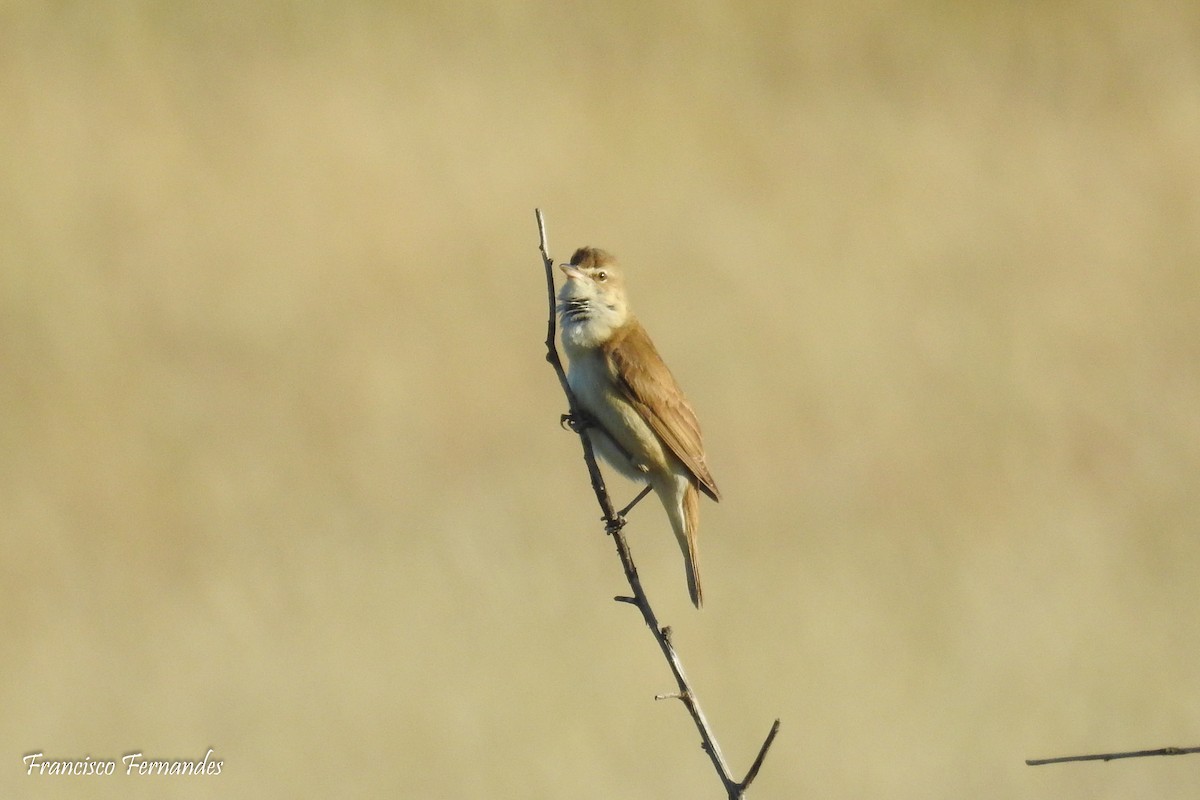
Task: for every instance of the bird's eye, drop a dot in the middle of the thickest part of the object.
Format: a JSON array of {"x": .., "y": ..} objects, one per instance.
[{"x": 602, "y": 276}]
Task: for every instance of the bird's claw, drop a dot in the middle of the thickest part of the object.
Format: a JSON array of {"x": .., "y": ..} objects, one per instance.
[
  {"x": 614, "y": 524},
  {"x": 577, "y": 422}
]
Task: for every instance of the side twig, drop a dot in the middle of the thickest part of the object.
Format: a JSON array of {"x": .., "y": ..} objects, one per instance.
[
  {"x": 1162, "y": 751},
  {"x": 613, "y": 524}
]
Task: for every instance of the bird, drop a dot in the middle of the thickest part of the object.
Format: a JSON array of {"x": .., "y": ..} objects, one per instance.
[{"x": 638, "y": 418}]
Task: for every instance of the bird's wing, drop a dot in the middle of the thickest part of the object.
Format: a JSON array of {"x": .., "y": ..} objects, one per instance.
[{"x": 650, "y": 388}]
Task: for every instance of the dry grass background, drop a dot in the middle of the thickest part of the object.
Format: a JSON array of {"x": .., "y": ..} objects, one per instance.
[{"x": 280, "y": 466}]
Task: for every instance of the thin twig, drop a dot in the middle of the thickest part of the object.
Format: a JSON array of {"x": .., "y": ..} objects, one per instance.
[
  {"x": 762, "y": 754},
  {"x": 613, "y": 524},
  {"x": 1162, "y": 751}
]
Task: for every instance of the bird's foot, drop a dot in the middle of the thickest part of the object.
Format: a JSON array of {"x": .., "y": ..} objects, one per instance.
[
  {"x": 614, "y": 524},
  {"x": 577, "y": 422}
]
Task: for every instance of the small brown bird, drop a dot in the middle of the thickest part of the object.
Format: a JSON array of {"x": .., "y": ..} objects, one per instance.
[{"x": 644, "y": 425}]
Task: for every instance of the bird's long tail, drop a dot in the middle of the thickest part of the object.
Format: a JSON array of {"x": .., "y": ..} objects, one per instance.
[
  {"x": 687, "y": 542},
  {"x": 681, "y": 499}
]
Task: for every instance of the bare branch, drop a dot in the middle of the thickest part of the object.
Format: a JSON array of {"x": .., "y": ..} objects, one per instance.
[
  {"x": 762, "y": 754},
  {"x": 1162, "y": 751},
  {"x": 613, "y": 524}
]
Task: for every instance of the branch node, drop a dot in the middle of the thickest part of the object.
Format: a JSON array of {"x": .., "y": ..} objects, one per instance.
[{"x": 624, "y": 599}]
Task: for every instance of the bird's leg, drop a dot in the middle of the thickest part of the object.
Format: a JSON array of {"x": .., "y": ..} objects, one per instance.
[
  {"x": 645, "y": 491},
  {"x": 618, "y": 520}
]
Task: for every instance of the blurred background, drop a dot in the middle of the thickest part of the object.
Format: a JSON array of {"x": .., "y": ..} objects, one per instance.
[{"x": 280, "y": 462}]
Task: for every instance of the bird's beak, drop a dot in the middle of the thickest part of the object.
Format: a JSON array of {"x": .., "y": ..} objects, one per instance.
[{"x": 570, "y": 271}]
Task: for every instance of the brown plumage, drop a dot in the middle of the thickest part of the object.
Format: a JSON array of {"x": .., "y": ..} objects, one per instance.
[{"x": 650, "y": 387}]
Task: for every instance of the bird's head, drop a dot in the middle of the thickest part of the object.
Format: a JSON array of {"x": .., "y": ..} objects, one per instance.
[{"x": 592, "y": 301}]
